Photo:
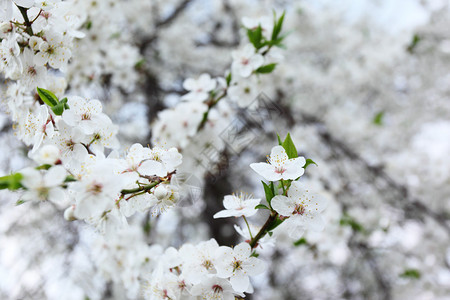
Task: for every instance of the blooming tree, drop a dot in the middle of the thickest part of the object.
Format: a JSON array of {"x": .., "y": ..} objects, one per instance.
[{"x": 134, "y": 191}]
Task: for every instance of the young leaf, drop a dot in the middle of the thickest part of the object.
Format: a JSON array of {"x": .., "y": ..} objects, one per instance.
[
  {"x": 255, "y": 36},
  {"x": 349, "y": 221},
  {"x": 254, "y": 254},
  {"x": 378, "y": 119},
  {"x": 289, "y": 146},
  {"x": 279, "y": 140},
  {"x": 44, "y": 167},
  {"x": 309, "y": 162},
  {"x": 300, "y": 242},
  {"x": 274, "y": 224},
  {"x": 268, "y": 191},
  {"x": 278, "y": 25},
  {"x": 58, "y": 109},
  {"x": 70, "y": 178},
  {"x": 48, "y": 97},
  {"x": 66, "y": 106},
  {"x": 415, "y": 41},
  {"x": 411, "y": 273},
  {"x": 266, "y": 69},
  {"x": 261, "y": 206},
  {"x": 139, "y": 64},
  {"x": 11, "y": 182},
  {"x": 228, "y": 79},
  {"x": 19, "y": 202},
  {"x": 272, "y": 187}
]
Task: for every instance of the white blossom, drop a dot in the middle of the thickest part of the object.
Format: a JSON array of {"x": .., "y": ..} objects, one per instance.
[
  {"x": 237, "y": 206},
  {"x": 303, "y": 209},
  {"x": 279, "y": 166},
  {"x": 238, "y": 264}
]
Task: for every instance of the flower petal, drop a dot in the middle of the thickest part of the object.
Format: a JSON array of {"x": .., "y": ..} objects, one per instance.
[
  {"x": 278, "y": 156},
  {"x": 266, "y": 170},
  {"x": 294, "y": 168},
  {"x": 254, "y": 266},
  {"x": 240, "y": 282},
  {"x": 283, "y": 205},
  {"x": 242, "y": 251}
]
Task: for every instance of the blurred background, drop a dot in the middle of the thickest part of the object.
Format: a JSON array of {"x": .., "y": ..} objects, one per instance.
[{"x": 363, "y": 87}]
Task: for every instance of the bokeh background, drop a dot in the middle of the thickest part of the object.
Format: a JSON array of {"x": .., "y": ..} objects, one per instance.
[{"x": 364, "y": 90}]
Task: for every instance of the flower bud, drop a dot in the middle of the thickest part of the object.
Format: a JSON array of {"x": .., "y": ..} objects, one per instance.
[
  {"x": 160, "y": 192},
  {"x": 69, "y": 214}
]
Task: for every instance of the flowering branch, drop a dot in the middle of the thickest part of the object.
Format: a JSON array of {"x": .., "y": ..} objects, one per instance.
[{"x": 23, "y": 11}]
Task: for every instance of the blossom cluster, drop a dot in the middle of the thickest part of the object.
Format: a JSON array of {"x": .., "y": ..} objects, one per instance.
[{"x": 79, "y": 166}]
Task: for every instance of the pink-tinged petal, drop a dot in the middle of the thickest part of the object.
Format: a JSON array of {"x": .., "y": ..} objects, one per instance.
[
  {"x": 278, "y": 156},
  {"x": 315, "y": 222},
  {"x": 283, "y": 205},
  {"x": 294, "y": 168},
  {"x": 240, "y": 282},
  {"x": 254, "y": 266},
  {"x": 242, "y": 251},
  {"x": 152, "y": 167},
  {"x": 266, "y": 170}
]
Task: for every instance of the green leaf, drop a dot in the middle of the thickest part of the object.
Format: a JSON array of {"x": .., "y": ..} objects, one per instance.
[
  {"x": 261, "y": 206},
  {"x": 378, "y": 119},
  {"x": 266, "y": 69},
  {"x": 309, "y": 162},
  {"x": 69, "y": 178},
  {"x": 300, "y": 242},
  {"x": 269, "y": 192},
  {"x": 44, "y": 167},
  {"x": 255, "y": 37},
  {"x": 349, "y": 221},
  {"x": 228, "y": 79},
  {"x": 279, "y": 140},
  {"x": 48, "y": 97},
  {"x": 64, "y": 100},
  {"x": 88, "y": 25},
  {"x": 140, "y": 63},
  {"x": 278, "y": 25},
  {"x": 147, "y": 227},
  {"x": 414, "y": 42},
  {"x": 272, "y": 187},
  {"x": 289, "y": 146},
  {"x": 411, "y": 273},
  {"x": 11, "y": 182},
  {"x": 19, "y": 202},
  {"x": 58, "y": 109},
  {"x": 274, "y": 224},
  {"x": 254, "y": 254}
]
